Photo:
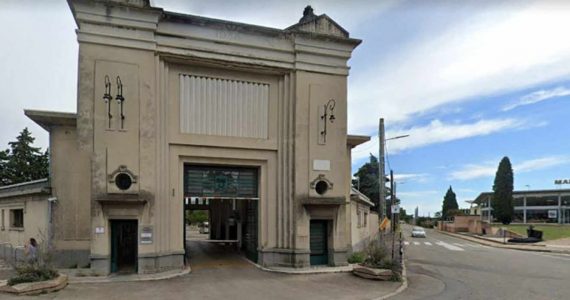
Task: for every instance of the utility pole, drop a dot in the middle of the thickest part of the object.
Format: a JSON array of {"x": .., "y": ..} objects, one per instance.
[
  {"x": 381, "y": 201},
  {"x": 392, "y": 200}
]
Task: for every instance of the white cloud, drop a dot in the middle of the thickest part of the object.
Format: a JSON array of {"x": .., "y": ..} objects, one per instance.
[
  {"x": 494, "y": 52},
  {"x": 489, "y": 168},
  {"x": 538, "y": 96},
  {"x": 436, "y": 132},
  {"x": 408, "y": 177}
]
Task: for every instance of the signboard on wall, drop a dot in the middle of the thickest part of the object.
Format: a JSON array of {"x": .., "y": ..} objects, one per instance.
[
  {"x": 146, "y": 235},
  {"x": 552, "y": 214}
]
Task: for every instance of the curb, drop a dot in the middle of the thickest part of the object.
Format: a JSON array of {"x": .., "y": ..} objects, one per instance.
[
  {"x": 501, "y": 245},
  {"x": 292, "y": 271},
  {"x": 402, "y": 287},
  {"x": 347, "y": 269},
  {"x": 135, "y": 278}
]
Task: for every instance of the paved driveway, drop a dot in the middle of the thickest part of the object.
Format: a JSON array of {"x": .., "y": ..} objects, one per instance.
[{"x": 219, "y": 273}]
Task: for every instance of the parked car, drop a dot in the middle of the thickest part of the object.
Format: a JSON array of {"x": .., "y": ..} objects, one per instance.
[
  {"x": 418, "y": 232},
  {"x": 205, "y": 228}
]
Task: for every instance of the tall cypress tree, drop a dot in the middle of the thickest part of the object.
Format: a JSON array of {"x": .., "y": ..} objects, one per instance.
[
  {"x": 449, "y": 204},
  {"x": 502, "y": 202}
]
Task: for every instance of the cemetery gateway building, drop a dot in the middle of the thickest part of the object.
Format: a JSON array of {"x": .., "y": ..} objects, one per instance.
[{"x": 179, "y": 111}]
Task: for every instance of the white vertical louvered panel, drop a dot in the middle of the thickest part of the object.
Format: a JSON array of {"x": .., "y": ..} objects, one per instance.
[{"x": 214, "y": 106}]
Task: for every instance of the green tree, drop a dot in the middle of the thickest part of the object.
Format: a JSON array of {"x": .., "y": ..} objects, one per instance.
[
  {"x": 367, "y": 180},
  {"x": 4, "y": 173},
  {"x": 23, "y": 162},
  {"x": 449, "y": 204},
  {"x": 502, "y": 201},
  {"x": 196, "y": 216}
]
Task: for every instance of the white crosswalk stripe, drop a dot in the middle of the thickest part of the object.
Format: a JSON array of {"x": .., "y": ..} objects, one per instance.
[
  {"x": 449, "y": 246},
  {"x": 452, "y": 246}
]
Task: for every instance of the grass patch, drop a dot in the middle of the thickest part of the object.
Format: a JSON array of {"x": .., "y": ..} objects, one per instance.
[
  {"x": 549, "y": 232},
  {"x": 356, "y": 258}
]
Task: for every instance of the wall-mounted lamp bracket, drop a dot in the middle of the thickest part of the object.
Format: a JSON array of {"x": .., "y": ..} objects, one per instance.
[{"x": 327, "y": 115}]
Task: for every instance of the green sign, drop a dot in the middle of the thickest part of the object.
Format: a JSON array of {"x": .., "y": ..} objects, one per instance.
[{"x": 214, "y": 181}]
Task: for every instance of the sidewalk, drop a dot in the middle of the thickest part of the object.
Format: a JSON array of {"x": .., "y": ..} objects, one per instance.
[
  {"x": 498, "y": 243},
  {"x": 82, "y": 276}
]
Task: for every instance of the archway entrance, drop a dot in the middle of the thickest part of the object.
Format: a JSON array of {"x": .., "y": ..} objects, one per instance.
[{"x": 221, "y": 211}]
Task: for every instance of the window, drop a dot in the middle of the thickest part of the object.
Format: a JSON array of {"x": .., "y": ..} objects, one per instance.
[
  {"x": 365, "y": 219},
  {"x": 518, "y": 216},
  {"x": 2, "y": 225},
  {"x": 565, "y": 201},
  {"x": 542, "y": 201},
  {"x": 17, "y": 218},
  {"x": 541, "y": 216},
  {"x": 518, "y": 201},
  {"x": 359, "y": 216}
]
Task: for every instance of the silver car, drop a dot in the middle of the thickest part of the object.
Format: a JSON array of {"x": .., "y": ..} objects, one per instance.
[{"x": 418, "y": 232}]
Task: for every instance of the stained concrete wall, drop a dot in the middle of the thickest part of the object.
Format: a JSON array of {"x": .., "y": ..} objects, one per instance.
[
  {"x": 148, "y": 48},
  {"x": 13, "y": 240}
]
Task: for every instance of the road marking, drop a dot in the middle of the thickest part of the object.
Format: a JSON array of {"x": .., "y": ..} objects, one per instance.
[
  {"x": 406, "y": 243},
  {"x": 428, "y": 243},
  {"x": 458, "y": 244},
  {"x": 416, "y": 243},
  {"x": 449, "y": 246}
]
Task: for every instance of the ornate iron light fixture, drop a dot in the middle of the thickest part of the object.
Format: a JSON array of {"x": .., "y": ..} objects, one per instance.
[
  {"x": 328, "y": 116},
  {"x": 120, "y": 100},
  {"x": 108, "y": 98}
]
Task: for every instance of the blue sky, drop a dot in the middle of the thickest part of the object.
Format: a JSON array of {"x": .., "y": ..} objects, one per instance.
[{"x": 470, "y": 81}]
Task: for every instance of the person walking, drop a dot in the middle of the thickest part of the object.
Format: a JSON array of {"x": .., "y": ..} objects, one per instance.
[{"x": 32, "y": 250}]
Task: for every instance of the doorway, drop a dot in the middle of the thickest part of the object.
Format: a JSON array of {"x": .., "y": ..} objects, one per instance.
[
  {"x": 318, "y": 235},
  {"x": 124, "y": 246}
]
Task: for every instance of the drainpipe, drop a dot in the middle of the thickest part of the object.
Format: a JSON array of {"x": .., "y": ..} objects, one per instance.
[{"x": 51, "y": 201}]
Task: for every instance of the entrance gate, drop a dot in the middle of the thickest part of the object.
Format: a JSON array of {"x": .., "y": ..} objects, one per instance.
[{"x": 230, "y": 194}]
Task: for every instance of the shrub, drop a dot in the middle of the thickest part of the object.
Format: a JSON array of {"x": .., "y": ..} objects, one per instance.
[
  {"x": 356, "y": 258},
  {"x": 32, "y": 273},
  {"x": 375, "y": 255},
  {"x": 36, "y": 269}
]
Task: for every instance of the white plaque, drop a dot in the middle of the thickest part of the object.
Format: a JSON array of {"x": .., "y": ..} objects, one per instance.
[
  {"x": 396, "y": 209},
  {"x": 321, "y": 165},
  {"x": 99, "y": 230},
  {"x": 552, "y": 214}
]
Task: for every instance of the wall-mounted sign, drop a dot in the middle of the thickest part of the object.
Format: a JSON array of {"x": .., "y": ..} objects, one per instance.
[
  {"x": 562, "y": 181},
  {"x": 99, "y": 230},
  {"x": 321, "y": 165},
  {"x": 552, "y": 214},
  {"x": 146, "y": 235}
]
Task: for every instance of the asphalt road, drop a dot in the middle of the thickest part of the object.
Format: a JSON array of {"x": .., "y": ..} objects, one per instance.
[{"x": 444, "y": 267}]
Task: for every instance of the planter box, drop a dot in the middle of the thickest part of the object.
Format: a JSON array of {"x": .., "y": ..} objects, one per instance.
[
  {"x": 35, "y": 288},
  {"x": 372, "y": 273}
]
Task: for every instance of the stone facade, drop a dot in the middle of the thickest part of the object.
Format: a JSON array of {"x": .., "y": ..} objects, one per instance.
[{"x": 139, "y": 70}]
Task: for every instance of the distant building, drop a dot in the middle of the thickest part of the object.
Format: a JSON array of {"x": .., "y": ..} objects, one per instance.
[
  {"x": 538, "y": 206},
  {"x": 474, "y": 208}
]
